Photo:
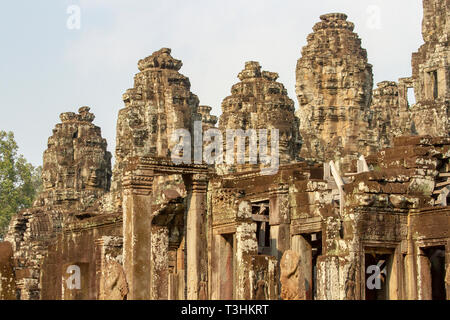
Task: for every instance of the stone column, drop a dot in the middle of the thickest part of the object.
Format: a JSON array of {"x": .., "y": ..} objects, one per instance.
[
  {"x": 304, "y": 251},
  {"x": 328, "y": 285},
  {"x": 196, "y": 242},
  {"x": 292, "y": 277},
  {"x": 424, "y": 277},
  {"x": 137, "y": 202},
  {"x": 246, "y": 247},
  {"x": 279, "y": 220},
  {"x": 160, "y": 262},
  {"x": 410, "y": 266},
  {"x": 394, "y": 280}
]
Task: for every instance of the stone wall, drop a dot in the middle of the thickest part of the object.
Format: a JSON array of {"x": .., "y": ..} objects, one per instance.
[{"x": 79, "y": 244}]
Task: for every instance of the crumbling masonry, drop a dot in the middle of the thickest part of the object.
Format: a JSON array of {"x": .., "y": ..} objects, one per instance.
[{"x": 358, "y": 208}]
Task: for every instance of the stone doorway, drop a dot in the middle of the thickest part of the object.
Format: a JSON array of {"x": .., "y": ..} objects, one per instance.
[
  {"x": 227, "y": 274},
  {"x": 382, "y": 270},
  {"x": 260, "y": 214},
  {"x": 436, "y": 258},
  {"x": 309, "y": 247},
  {"x": 223, "y": 267},
  {"x": 376, "y": 269}
]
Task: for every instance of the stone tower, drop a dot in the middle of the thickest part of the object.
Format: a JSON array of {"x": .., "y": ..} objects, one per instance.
[
  {"x": 208, "y": 121},
  {"x": 159, "y": 103},
  {"x": 386, "y": 117},
  {"x": 76, "y": 174},
  {"x": 76, "y": 166},
  {"x": 333, "y": 86},
  {"x": 431, "y": 71},
  {"x": 259, "y": 102}
]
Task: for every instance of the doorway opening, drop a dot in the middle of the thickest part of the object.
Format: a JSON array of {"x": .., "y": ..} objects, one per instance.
[
  {"x": 378, "y": 267},
  {"x": 315, "y": 240},
  {"x": 309, "y": 247},
  {"x": 410, "y": 96},
  {"x": 227, "y": 267},
  {"x": 433, "y": 84},
  {"x": 260, "y": 214},
  {"x": 436, "y": 256}
]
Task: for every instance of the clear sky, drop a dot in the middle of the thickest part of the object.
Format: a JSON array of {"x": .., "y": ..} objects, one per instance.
[{"x": 47, "y": 68}]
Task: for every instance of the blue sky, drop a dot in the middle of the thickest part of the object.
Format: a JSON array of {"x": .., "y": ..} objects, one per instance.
[{"x": 46, "y": 68}]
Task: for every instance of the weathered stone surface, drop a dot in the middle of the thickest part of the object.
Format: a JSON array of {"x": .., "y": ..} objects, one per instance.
[
  {"x": 208, "y": 121},
  {"x": 387, "y": 117},
  {"x": 77, "y": 167},
  {"x": 259, "y": 102},
  {"x": 110, "y": 273},
  {"x": 159, "y": 103},
  {"x": 291, "y": 277},
  {"x": 334, "y": 85},
  {"x": 76, "y": 174},
  {"x": 115, "y": 284},
  {"x": 7, "y": 279},
  {"x": 407, "y": 175},
  {"x": 431, "y": 72},
  {"x": 177, "y": 231}
]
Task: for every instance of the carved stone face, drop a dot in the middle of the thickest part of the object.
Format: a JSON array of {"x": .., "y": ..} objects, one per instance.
[
  {"x": 92, "y": 180},
  {"x": 360, "y": 95},
  {"x": 47, "y": 179},
  {"x": 302, "y": 98}
]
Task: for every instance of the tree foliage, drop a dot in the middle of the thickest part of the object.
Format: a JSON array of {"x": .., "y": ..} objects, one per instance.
[{"x": 20, "y": 181}]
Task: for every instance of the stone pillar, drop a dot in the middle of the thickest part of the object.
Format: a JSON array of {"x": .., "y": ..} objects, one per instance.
[
  {"x": 303, "y": 249},
  {"x": 246, "y": 246},
  {"x": 159, "y": 262},
  {"x": 181, "y": 270},
  {"x": 424, "y": 277},
  {"x": 392, "y": 279},
  {"x": 110, "y": 277},
  {"x": 196, "y": 241},
  {"x": 279, "y": 220},
  {"x": 292, "y": 277},
  {"x": 328, "y": 285},
  {"x": 410, "y": 267},
  {"x": 410, "y": 277},
  {"x": 137, "y": 203}
]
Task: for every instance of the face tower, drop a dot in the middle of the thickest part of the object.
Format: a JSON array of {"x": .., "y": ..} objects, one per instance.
[{"x": 333, "y": 86}]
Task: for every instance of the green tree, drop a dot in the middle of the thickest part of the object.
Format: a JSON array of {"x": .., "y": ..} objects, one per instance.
[{"x": 20, "y": 181}]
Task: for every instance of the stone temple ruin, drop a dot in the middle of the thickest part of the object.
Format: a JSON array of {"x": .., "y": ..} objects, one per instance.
[{"x": 358, "y": 208}]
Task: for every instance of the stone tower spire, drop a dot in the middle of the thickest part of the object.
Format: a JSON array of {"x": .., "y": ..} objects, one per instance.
[
  {"x": 431, "y": 75},
  {"x": 333, "y": 86},
  {"x": 259, "y": 102},
  {"x": 159, "y": 103},
  {"x": 77, "y": 167}
]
